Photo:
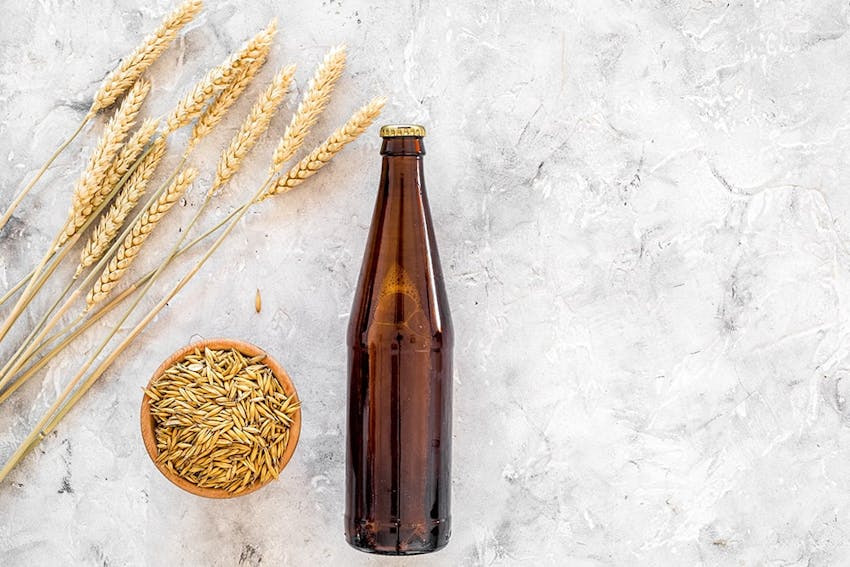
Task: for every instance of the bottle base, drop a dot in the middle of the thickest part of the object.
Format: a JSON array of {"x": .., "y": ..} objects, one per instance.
[
  {"x": 396, "y": 539},
  {"x": 394, "y": 551}
]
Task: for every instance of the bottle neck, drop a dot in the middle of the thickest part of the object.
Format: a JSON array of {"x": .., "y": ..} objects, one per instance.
[
  {"x": 403, "y": 146},
  {"x": 402, "y": 170}
]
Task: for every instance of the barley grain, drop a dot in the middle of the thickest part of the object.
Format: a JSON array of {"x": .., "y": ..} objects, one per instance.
[{"x": 229, "y": 448}]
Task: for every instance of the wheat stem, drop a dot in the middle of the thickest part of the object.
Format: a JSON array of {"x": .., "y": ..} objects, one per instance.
[
  {"x": 95, "y": 315},
  {"x": 37, "y": 278},
  {"x": 87, "y": 195},
  {"x": 11, "y": 292},
  {"x": 17, "y": 359},
  {"x": 23, "y": 193},
  {"x": 33, "y": 370},
  {"x": 23, "y": 353}
]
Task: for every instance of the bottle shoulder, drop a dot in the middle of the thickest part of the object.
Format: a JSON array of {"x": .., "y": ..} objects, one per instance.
[{"x": 412, "y": 326}]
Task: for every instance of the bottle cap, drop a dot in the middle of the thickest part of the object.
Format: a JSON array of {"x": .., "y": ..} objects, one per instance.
[{"x": 399, "y": 130}]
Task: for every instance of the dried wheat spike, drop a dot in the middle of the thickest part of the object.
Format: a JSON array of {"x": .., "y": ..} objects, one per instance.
[
  {"x": 132, "y": 244},
  {"x": 132, "y": 67},
  {"x": 215, "y": 111},
  {"x": 254, "y": 126},
  {"x": 218, "y": 78},
  {"x": 87, "y": 192},
  {"x": 320, "y": 156},
  {"x": 102, "y": 236},
  {"x": 318, "y": 95},
  {"x": 128, "y": 156}
]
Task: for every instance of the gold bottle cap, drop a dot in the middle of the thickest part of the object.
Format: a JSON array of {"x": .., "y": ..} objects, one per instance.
[{"x": 399, "y": 130}]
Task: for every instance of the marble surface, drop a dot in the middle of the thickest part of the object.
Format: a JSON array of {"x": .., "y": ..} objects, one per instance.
[{"x": 643, "y": 217}]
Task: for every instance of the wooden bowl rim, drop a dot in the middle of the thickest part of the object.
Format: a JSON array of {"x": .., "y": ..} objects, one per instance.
[{"x": 147, "y": 420}]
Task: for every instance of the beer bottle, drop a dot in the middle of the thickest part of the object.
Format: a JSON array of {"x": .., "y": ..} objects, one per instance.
[{"x": 400, "y": 369}]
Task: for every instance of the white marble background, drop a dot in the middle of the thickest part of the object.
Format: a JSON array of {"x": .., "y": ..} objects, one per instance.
[{"x": 644, "y": 217}]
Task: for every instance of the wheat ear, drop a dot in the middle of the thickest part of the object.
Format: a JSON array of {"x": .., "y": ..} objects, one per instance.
[
  {"x": 254, "y": 126},
  {"x": 219, "y": 78},
  {"x": 320, "y": 156},
  {"x": 132, "y": 244},
  {"x": 132, "y": 67},
  {"x": 318, "y": 95},
  {"x": 87, "y": 192},
  {"x": 127, "y": 199},
  {"x": 128, "y": 156},
  {"x": 214, "y": 113}
]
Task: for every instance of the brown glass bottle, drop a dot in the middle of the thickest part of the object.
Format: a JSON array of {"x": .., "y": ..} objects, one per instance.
[{"x": 400, "y": 369}]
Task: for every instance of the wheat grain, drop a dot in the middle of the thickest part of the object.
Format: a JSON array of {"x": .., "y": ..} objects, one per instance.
[
  {"x": 128, "y": 156},
  {"x": 218, "y": 78},
  {"x": 318, "y": 95},
  {"x": 323, "y": 154},
  {"x": 132, "y": 244},
  {"x": 111, "y": 223},
  {"x": 216, "y": 110},
  {"x": 132, "y": 67},
  {"x": 87, "y": 192},
  {"x": 208, "y": 439},
  {"x": 255, "y": 124}
]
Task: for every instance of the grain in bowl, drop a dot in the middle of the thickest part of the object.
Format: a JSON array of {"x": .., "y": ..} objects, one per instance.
[{"x": 220, "y": 419}]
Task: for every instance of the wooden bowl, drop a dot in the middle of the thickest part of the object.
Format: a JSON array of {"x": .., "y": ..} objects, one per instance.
[{"x": 249, "y": 350}]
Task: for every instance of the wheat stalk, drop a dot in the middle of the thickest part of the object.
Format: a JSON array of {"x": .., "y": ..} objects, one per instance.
[
  {"x": 318, "y": 95},
  {"x": 323, "y": 154},
  {"x": 132, "y": 67},
  {"x": 126, "y": 200},
  {"x": 219, "y": 78},
  {"x": 87, "y": 192},
  {"x": 216, "y": 110},
  {"x": 86, "y": 204},
  {"x": 117, "y": 84},
  {"x": 255, "y": 124},
  {"x": 132, "y": 244}
]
